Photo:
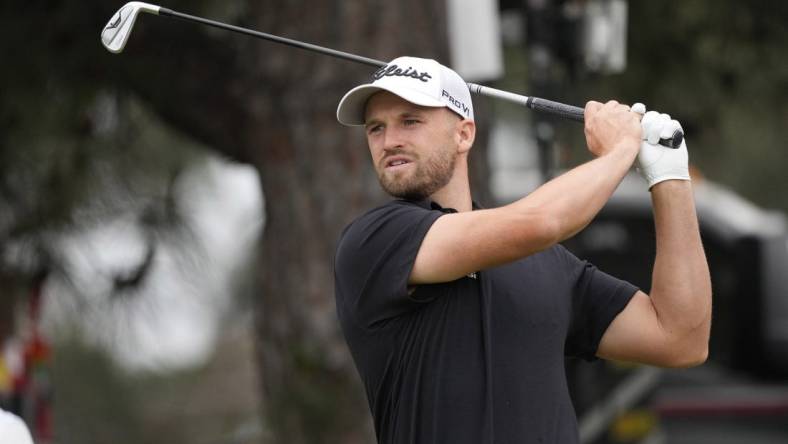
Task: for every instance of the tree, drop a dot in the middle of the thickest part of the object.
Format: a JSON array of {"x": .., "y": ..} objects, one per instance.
[{"x": 719, "y": 68}]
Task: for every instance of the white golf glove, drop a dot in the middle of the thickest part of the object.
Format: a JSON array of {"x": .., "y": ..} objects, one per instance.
[{"x": 657, "y": 163}]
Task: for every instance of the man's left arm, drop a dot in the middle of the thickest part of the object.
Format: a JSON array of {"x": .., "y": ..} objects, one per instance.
[{"x": 671, "y": 326}]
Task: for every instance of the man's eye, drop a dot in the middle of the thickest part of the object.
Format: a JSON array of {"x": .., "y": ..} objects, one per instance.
[
  {"x": 411, "y": 122},
  {"x": 374, "y": 129}
]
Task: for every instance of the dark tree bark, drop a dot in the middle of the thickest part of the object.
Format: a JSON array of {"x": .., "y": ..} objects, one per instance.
[{"x": 273, "y": 107}]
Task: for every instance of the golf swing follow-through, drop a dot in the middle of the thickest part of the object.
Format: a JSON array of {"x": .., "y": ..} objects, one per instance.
[
  {"x": 116, "y": 34},
  {"x": 459, "y": 318}
]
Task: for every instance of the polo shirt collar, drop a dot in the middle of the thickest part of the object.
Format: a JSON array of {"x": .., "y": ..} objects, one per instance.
[{"x": 428, "y": 204}]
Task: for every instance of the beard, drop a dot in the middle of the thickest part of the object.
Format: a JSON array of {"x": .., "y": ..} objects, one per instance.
[{"x": 429, "y": 176}]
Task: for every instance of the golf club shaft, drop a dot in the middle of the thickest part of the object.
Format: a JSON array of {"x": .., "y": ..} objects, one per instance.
[
  {"x": 273, "y": 38},
  {"x": 535, "y": 103}
]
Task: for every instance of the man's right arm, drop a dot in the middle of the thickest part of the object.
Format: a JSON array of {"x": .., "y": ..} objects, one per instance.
[{"x": 462, "y": 243}]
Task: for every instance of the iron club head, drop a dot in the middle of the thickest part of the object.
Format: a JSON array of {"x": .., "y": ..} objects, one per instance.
[{"x": 115, "y": 35}]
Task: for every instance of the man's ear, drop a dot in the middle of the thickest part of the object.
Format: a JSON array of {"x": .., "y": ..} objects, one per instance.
[{"x": 465, "y": 134}]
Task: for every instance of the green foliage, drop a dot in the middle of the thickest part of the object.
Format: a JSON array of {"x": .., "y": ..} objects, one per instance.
[
  {"x": 719, "y": 68},
  {"x": 75, "y": 149},
  {"x": 75, "y": 159}
]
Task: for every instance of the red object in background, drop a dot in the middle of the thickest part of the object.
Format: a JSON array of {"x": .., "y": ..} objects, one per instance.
[{"x": 34, "y": 385}]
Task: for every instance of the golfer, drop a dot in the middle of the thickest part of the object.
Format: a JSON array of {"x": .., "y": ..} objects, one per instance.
[{"x": 459, "y": 318}]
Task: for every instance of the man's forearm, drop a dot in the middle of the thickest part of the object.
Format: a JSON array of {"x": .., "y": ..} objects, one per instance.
[
  {"x": 574, "y": 198},
  {"x": 681, "y": 285}
]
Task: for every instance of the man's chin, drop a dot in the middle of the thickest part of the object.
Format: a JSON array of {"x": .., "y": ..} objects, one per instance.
[
  {"x": 410, "y": 196},
  {"x": 405, "y": 192}
]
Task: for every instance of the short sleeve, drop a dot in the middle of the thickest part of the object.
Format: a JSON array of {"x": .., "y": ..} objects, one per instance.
[
  {"x": 597, "y": 298},
  {"x": 374, "y": 259}
]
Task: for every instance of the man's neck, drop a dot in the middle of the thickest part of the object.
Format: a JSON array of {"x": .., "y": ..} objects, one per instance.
[{"x": 456, "y": 194}]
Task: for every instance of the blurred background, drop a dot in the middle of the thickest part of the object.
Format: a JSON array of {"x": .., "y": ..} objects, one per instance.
[{"x": 168, "y": 216}]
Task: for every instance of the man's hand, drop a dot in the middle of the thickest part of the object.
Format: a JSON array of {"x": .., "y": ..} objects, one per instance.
[
  {"x": 655, "y": 162},
  {"x": 611, "y": 126}
]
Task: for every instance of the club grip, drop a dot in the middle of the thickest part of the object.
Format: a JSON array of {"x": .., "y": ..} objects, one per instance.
[
  {"x": 556, "y": 108},
  {"x": 576, "y": 113},
  {"x": 675, "y": 141}
]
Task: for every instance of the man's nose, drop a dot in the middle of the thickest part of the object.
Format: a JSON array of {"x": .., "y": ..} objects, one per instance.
[{"x": 392, "y": 139}]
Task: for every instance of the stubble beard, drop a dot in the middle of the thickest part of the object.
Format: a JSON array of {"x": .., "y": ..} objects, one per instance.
[{"x": 430, "y": 175}]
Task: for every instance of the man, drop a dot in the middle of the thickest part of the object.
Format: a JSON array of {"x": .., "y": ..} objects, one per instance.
[{"x": 459, "y": 318}]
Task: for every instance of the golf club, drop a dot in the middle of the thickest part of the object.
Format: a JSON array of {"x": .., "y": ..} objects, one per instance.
[{"x": 117, "y": 31}]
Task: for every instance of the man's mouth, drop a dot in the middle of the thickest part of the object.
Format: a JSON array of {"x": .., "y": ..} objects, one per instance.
[{"x": 396, "y": 162}]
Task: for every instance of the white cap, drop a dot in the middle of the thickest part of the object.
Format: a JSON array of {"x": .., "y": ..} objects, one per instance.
[
  {"x": 422, "y": 82},
  {"x": 13, "y": 429}
]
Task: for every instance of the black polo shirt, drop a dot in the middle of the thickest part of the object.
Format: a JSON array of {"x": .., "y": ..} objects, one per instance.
[{"x": 476, "y": 360}]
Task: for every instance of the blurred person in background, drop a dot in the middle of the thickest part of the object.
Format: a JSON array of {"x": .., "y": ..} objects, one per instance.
[
  {"x": 13, "y": 429},
  {"x": 25, "y": 357}
]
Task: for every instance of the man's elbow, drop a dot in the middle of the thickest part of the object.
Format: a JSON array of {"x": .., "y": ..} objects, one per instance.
[
  {"x": 690, "y": 359},
  {"x": 690, "y": 355}
]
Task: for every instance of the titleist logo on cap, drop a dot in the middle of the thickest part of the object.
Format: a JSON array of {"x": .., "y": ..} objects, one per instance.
[{"x": 394, "y": 70}]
